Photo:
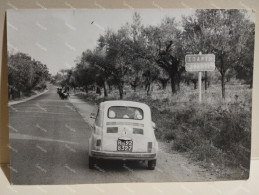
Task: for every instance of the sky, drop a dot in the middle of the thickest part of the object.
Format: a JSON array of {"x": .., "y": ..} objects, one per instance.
[{"x": 58, "y": 37}]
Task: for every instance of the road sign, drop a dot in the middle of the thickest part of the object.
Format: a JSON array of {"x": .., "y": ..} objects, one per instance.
[{"x": 200, "y": 62}]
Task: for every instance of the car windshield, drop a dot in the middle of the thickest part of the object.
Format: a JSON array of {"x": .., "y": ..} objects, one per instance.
[{"x": 124, "y": 112}]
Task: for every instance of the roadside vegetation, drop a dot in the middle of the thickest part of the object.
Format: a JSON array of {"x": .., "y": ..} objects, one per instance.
[
  {"x": 146, "y": 64},
  {"x": 26, "y": 76},
  {"x": 217, "y": 132}
]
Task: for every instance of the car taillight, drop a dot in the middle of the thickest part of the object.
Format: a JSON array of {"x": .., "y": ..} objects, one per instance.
[
  {"x": 137, "y": 131},
  {"x": 112, "y": 129},
  {"x": 98, "y": 144},
  {"x": 149, "y": 146}
]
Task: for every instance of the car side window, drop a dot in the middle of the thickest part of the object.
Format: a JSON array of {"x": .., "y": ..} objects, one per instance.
[{"x": 98, "y": 119}]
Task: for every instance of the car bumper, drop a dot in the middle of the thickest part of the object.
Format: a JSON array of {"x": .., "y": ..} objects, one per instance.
[{"x": 123, "y": 155}]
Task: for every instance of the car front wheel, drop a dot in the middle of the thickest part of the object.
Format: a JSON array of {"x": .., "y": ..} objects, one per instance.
[{"x": 151, "y": 164}]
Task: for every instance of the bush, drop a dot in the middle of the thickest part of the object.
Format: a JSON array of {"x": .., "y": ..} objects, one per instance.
[
  {"x": 41, "y": 86},
  {"x": 218, "y": 134}
]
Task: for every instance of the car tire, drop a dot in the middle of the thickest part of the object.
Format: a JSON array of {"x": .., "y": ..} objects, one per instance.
[
  {"x": 91, "y": 162},
  {"x": 151, "y": 164}
]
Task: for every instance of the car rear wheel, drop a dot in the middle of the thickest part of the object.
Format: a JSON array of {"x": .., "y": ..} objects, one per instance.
[
  {"x": 151, "y": 164},
  {"x": 91, "y": 162}
]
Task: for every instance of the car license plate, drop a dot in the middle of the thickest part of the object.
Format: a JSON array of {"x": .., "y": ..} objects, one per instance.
[{"x": 125, "y": 145}]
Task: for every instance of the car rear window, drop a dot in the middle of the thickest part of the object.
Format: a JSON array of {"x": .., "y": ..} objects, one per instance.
[{"x": 125, "y": 112}]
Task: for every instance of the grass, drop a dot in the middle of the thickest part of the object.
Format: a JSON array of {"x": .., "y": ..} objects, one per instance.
[{"x": 215, "y": 132}]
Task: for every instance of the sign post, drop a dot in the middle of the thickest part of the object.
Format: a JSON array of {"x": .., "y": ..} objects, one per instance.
[{"x": 198, "y": 63}]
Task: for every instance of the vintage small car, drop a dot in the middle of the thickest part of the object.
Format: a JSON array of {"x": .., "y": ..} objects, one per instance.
[{"x": 123, "y": 130}]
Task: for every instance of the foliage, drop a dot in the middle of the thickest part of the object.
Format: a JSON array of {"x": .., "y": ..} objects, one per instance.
[
  {"x": 226, "y": 33},
  {"x": 25, "y": 74},
  {"x": 143, "y": 56},
  {"x": 165, "y": 48}
]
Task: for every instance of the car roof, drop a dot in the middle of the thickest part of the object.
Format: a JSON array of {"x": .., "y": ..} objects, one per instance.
[{"x": 124, "y": 103}]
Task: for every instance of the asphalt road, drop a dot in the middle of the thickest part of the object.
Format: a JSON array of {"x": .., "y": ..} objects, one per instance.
[{"x": 49, "y": 144}]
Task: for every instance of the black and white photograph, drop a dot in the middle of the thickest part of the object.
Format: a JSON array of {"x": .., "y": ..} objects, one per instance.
[{"x": 129, "y": 95}]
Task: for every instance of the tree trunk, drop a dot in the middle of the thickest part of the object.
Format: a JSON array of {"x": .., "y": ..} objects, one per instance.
[
  {"x": 98, "y": 90},
  {"x": 121, "y": 90},
  {"x": 86, "y": 89},
  {"x": 222, "y": 72},
  {"x": 223, "y": 85},
  {"x": 195, "y": 85},
  {"x": 164, "y": 84},
  {"x": 194, "y": 81},
  {"x": 178, "y": 85},
  {"x": 104, "y": 89},
  {"x": 134, "y": 85},
  {"x": 110, "y": 87},
  {"x": 206, "y": 81},
  {"x": 173, "y": 84},
  {"x": 148, "y": 90},
  {"x": 228, "y": 78},
  {"x": 146, "y": 86}
]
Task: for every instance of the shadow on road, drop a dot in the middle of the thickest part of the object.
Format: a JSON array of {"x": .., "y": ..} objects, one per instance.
[{"x": 119, "y": 165}]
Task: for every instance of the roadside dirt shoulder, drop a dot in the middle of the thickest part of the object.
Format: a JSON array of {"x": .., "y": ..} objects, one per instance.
[{"x": 14, "y": 102}]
